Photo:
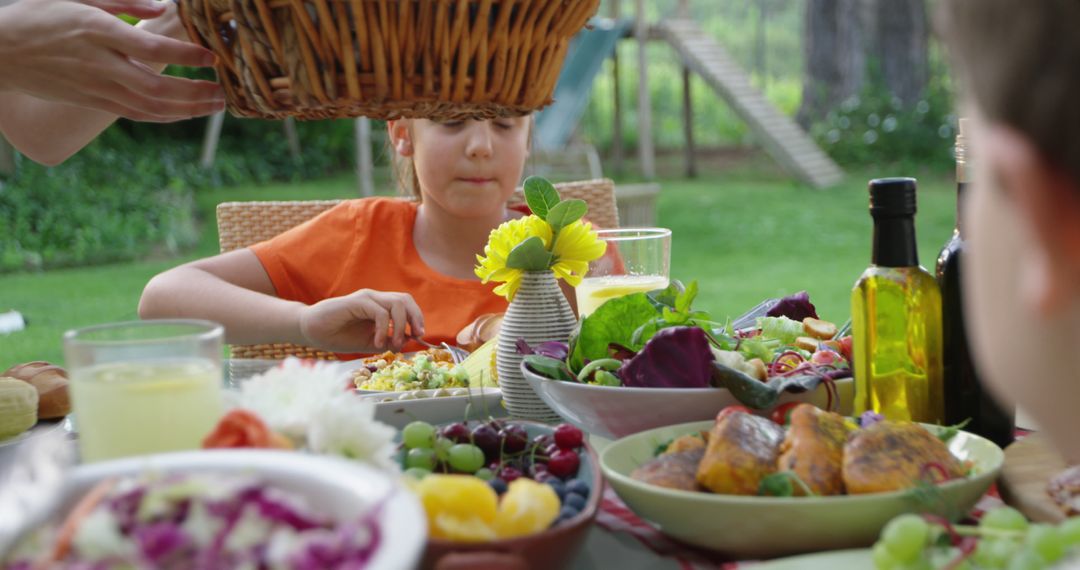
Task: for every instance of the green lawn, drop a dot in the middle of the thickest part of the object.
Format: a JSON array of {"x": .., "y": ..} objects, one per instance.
[{"x": 743, "y": 235}]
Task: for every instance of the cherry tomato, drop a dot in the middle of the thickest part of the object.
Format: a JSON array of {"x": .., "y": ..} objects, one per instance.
[
  {"x": 731, "y": 410},
  {"x": 782, "y": 414},
  {"x": 845, "y": 347}
]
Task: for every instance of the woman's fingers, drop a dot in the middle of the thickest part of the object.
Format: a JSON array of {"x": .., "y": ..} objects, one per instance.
[
  {"x": 148, "y": 46},
  {"x": 142, "y": 9},
  {"x": 399, "y": 317}
]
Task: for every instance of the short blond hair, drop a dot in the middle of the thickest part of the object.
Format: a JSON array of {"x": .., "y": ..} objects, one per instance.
[{"x": 1019, "y": 61}]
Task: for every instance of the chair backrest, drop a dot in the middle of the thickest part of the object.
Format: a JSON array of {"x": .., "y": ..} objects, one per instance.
[{"x": 241, "y": 224}]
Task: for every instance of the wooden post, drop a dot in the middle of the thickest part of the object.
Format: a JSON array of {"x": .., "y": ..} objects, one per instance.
[
  {"x": 688, "y": 106},
  {"x": 210, "y": 140},
  {"x": 364, "y": 164},
  {"x": 7, "y": 157},
  {"x": 646, "y": 152},
  {"x": 293, "y": 138},
  {"x": 617, "y": 120}
]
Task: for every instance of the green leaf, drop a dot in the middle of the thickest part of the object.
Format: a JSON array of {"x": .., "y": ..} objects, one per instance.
[
  {"x": 565, "y": 213},
  {"x": 686, "y": 298},
  {"x": 613, "y": 322},
  {"x": 549, "y": 367},
  {"x": 950, "y": 432},
  {"x": 667, "y": 296},
  {"x": 541, "y": 196},
  {"x": 783, "y": 484},
  {"x": 529, "y": 255}
]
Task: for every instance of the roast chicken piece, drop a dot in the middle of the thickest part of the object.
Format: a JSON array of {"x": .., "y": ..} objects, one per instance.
[
  {"x": 674, "y": 470},
  {"x": 814, "y": 450},
  {"x": 889, "y": 456},
  {"x": 742, "y": 450}
]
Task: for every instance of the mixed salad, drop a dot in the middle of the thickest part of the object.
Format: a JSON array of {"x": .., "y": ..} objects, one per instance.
[
  {"x": 656, "y": 340},
  {"x": 209, "y": 521},
  {"x": 426, "y": 370}
]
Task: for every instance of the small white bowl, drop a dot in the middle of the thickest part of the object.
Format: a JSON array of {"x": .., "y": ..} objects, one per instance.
[{"x": 616, "y": 411}]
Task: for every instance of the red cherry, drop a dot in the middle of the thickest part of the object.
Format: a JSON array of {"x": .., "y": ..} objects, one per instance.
[
  {"x": 509, "y": 474},
  {"x": 568, "y": 436},
  {"x": 458, "y": 433},
  {"x": 564, "y": 463}
]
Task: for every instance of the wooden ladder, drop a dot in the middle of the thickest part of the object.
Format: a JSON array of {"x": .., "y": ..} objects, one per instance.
[{"x": 782, "y": 138}]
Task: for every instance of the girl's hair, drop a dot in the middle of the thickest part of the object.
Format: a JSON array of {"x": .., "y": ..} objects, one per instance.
[{"x": 405, "y": 171}]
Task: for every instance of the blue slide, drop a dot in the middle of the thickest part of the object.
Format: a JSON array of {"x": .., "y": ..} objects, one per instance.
[{"x": 584, "y": 60}]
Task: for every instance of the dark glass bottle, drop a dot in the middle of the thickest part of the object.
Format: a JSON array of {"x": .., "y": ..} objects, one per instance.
[
  {"x": 896, "y": 316},
  {"x": 965, "y": 396}
]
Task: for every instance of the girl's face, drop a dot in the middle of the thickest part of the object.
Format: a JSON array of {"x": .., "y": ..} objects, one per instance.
[{"x": 466, "y": 168}]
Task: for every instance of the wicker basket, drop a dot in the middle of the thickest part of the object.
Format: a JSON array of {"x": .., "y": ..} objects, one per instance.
[{"x": 385, "y": 59}]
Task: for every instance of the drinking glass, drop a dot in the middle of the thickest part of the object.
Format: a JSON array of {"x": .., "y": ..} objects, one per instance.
[
  {"x": 636, "y": 260},
  {"x": 145, "y": 386}
]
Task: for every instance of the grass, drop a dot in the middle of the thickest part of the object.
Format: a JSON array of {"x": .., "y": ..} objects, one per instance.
[{"x": 743, "y": 234}]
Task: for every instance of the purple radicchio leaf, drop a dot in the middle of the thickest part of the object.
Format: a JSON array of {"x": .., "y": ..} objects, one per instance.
[
  {"x": 551, "y": 349},
  {"x": 160, "y": 541},
  {"x": 675, "y": 357},
  {"x": 795, "y": 307},
  {"x": 869, "y": 418}
]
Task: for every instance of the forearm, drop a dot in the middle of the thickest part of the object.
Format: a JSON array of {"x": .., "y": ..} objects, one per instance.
[
  {"x": 249, "y": 317},
  {"x": 49, "y": 132}
]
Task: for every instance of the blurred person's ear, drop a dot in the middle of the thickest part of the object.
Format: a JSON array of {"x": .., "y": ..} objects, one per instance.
[
  {"x": 400, "y": 136},
  {"x": 1048, "y": 199}
]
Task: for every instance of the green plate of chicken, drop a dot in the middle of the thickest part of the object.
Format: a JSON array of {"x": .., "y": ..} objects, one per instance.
[{"x": 750, "y": 488}]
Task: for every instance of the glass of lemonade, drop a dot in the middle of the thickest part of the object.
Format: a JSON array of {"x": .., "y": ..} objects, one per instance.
[
  {"x": 636, "y": 260},
  {"x": 145, "y": 386}
]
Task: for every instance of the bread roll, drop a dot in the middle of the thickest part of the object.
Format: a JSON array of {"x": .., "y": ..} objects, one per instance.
[{"x": 51, "y": 383}]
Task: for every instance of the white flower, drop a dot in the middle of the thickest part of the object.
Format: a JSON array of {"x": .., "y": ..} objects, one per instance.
[
  {"x": 345, "y": 425},
  {"x": 288, "y": 396}
]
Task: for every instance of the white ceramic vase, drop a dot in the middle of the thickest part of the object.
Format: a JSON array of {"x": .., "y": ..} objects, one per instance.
[{"x": 538, "y": 313}]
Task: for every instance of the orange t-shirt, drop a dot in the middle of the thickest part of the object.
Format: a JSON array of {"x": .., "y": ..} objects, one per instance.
[{"x": 368, "y": 244}]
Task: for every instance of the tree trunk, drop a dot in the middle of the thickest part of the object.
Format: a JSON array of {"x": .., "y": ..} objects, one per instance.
[
  {"x": 834, "y": 59},
  {"x": 899, "y": 44}
]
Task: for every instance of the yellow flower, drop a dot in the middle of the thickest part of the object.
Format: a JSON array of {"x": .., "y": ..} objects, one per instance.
[
  {"x": 501, "y": 241},
  {"x": 575, "y": 247}
]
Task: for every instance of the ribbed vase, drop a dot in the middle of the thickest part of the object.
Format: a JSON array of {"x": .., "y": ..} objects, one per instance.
[{"x": 538, "y": 313}]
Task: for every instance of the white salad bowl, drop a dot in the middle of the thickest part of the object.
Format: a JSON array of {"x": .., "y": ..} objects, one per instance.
[
  {"x": 616, "y": 411},
  {"x": 340, "y": 489}
]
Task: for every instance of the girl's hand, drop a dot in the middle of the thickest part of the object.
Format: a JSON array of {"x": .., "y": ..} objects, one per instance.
[
  {"x": 81, "y": 54},
  {"x": 364, "y": 321}
]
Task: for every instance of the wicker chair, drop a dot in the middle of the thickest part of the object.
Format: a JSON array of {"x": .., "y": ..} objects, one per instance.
[{"x": 241, "y": 224}]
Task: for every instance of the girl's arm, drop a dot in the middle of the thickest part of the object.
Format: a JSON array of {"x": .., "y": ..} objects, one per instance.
[
  {"x": 68, "y": 70},
  {"x": 234, "y": 290}
]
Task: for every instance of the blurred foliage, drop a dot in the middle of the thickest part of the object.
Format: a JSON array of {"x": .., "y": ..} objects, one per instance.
[{"x": 130, "y": 193}]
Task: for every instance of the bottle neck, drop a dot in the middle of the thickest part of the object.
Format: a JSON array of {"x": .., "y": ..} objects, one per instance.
[
  {"x": 961, "y": 189},
  {"x": 894, "y": 242}
]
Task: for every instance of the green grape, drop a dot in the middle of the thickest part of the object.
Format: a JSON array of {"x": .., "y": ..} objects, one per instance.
[
  {"x": 442, "y": 448},
  {"x": 417, "y": 473},
  {"x": 485, "y": 474},
  {"x": 1069, "y": 531},
  {"x": 418, "y": 435},
  {"x": 1027, "y": 560},
  {"x": 466, "y": 458},
  {"x": 905, "y": 536},
  {"x": 1044, "y": 540},
  {"x": 883, "y": 559},
  {"x": 1004, "y": 518},
  {"x": 992, "y": 553},
  {"x": 421, "y": 457}
]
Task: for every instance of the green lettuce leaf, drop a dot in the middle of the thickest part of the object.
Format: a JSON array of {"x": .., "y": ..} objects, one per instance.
[{"x": 613, "y": 322}]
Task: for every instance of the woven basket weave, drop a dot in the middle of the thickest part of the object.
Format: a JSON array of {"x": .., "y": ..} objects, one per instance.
[{"x": 385, "y": 59}]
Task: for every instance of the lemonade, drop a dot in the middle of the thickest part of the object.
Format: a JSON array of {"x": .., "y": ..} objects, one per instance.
[
  {"x": 594, "y": 291},
  {"x": 133, "y": 408}
]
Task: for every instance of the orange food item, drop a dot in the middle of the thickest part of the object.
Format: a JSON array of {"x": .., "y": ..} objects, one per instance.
[{"x": 241, "y": 428}]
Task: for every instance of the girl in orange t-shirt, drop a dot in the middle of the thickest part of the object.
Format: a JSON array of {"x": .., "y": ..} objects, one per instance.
[{"x": 353, "y": 279}]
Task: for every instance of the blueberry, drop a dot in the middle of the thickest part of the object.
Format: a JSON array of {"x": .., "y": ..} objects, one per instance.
[
  {"x": 577, "y": 486},
  {"x": 498, "y": 485},
  {"x": 557, "y": 486},
  {"x": 567, "y": 512},
  {"x": 575, "y": 501}
]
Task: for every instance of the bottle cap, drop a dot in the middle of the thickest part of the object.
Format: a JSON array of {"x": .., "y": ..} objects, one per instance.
[{"x": 892, "y": 197}]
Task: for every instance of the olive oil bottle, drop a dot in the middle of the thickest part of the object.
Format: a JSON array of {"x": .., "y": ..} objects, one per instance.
[
  {"x": 896, "y": 316},
  {"x": 965, "y": 397}
]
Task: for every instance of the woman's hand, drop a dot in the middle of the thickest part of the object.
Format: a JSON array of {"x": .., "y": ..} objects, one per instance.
[
  {"x": 80, "y": 53},
  {"x": 364, "y": 321}
]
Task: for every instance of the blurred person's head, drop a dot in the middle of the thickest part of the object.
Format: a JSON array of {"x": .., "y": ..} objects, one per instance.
[{"x": 1018, "y": 66}]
